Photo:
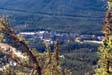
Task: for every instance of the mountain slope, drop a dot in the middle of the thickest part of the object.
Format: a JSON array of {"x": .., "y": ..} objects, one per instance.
[{"x": 57, "y": 15}]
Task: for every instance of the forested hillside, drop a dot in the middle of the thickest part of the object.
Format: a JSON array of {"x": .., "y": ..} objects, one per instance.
[{"x": 56, "y": 15}]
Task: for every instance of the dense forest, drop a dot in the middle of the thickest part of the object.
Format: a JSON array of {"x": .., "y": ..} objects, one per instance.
[{"x": 55, "y": 15}]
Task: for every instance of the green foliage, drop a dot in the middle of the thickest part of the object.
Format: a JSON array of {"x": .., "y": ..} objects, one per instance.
[
  {"x": 105, "y": 59},
  {"x": 80, "y": 61},
  {"x": 109, "y": 5},
  {"x": 1, "y": 37},
  {"x": 8, "y": 70}
]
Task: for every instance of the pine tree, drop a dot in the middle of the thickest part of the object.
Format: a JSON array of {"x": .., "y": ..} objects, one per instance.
[{"x": 105, "y": 50}]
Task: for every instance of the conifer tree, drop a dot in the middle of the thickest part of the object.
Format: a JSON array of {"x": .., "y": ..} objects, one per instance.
[{"x": 105, "y": 50}]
